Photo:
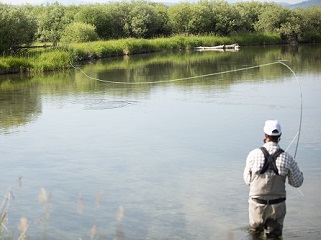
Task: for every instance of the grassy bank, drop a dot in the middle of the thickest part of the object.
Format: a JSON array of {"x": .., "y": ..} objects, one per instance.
[
  {"x": 54, "y": 59},
  {"x": 59, "y": 58}
]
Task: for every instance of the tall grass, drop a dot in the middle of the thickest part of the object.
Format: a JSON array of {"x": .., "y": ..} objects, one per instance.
[
  {"x": 102, "y": 49},
  {"x": 51, "y": 61},
  {"x": 40, "y": 62},
  {"x": 14, "y": 64},
  {"x": 266, "y": 38},
  {"x": 98, "y": 49},
  {"x": 59, "y": 58}
]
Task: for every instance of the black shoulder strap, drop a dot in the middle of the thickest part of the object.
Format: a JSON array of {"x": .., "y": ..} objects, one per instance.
[{"x": 269, "y": 160}]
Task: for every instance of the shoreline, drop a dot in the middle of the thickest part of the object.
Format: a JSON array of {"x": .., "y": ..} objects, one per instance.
[{"x": 38, "y": 60}]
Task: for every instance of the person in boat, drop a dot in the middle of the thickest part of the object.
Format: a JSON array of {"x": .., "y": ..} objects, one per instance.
[{"x": 265, "y": 172}]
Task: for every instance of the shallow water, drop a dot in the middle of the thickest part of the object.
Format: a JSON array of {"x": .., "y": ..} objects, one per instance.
[{"x": 157, "y": 160}]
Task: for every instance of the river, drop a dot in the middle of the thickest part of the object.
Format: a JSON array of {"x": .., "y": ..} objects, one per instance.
[{"x": 153, "y": 146}]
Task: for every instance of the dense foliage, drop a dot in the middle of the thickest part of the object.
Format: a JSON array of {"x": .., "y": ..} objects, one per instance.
[
  {"x": 79, "y": 32},
  {"x": 17, "y": 27},
  {"x": 141, "y": 19}
]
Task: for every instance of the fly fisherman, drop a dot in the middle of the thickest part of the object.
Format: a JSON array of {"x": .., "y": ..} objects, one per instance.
[{"x": 265, "y": 172}]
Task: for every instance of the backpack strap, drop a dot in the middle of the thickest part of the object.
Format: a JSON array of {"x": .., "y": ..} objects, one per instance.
[{"x": 269, "y": 160}]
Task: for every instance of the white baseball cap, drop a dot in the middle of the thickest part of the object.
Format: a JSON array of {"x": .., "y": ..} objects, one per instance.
[{"x": 272, "y": 128}]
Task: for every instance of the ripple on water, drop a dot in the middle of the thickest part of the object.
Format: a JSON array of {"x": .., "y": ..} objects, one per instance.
[{"x": 102, "y": 104}]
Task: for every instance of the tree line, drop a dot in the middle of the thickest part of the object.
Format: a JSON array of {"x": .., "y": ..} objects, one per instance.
[{"x": 54, "y": 23}]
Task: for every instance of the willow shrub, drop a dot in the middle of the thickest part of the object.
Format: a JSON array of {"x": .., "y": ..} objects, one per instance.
[{"x": 79, "y": 32}]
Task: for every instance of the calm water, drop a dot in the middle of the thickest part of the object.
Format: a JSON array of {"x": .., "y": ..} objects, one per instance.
[{"x": 143, "y": 159}]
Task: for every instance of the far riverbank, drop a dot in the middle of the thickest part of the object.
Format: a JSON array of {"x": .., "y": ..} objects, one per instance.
[{"x": 60, "y": 57}]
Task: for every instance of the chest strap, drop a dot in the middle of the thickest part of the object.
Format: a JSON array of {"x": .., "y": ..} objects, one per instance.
[{"x": 269, "y": 160}]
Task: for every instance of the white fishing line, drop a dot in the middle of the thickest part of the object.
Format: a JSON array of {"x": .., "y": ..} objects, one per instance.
[
  {"x": 297, "y": 136},
  {"x": 301, "y": 109},
  {"x": 172, "y": 80}
]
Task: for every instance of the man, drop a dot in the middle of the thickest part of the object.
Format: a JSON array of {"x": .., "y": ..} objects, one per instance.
[{"x": 265, "y": 172}]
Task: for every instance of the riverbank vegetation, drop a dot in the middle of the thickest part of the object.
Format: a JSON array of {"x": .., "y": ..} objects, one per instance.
[
  {"x": 77, "y": 32},
  {"x": 64, "y": 55}
]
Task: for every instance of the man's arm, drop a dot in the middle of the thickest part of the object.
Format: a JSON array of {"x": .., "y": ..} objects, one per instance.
[
  {"x": 295, "y": 177},
  {"x": 247, "y": 174}
]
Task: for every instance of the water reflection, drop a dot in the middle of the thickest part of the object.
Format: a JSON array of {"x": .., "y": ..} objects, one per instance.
[
  {"x": 20, "y": 103},
  {"x": 21, "y": 98}
]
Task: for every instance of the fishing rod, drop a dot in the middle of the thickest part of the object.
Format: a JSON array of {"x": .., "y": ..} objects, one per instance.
[{"x": 298, "y": 134}]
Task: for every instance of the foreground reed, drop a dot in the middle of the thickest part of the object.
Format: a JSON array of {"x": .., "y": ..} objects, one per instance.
[
  {"x": 45, "y": 200},
  {"x": 4, "y": 209}
]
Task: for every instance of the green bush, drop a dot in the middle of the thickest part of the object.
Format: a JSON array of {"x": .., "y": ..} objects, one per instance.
[
  {"x": 17, "y": 27},
  {"x": 79, "y": 32}
]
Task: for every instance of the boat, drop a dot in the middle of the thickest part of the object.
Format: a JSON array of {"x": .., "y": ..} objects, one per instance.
[
  {"x": 210, "y": 48},
  {"x": 219, "y": 47},
  {"x": 232, "y": 46}
]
